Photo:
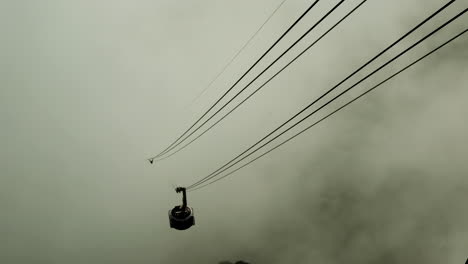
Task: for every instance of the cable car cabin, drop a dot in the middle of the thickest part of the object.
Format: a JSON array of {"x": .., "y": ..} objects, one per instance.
[
  {"x": 181, "y": 219},
  {"x": 181, "y": 216}
]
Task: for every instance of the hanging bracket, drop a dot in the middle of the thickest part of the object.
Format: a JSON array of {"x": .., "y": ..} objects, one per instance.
[{"x": 184, "y": 196}]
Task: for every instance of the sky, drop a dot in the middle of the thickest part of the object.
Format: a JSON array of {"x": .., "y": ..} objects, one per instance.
[{"x": 91, "y": 89}]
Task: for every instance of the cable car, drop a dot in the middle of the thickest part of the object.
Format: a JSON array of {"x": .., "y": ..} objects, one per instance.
[{"x": 181, "y": 216}]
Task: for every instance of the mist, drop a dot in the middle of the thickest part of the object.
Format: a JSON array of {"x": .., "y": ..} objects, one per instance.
[{"x": 90, "y": 90}]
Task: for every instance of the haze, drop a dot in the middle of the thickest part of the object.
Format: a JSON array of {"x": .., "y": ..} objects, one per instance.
[{"x": 91, "y": 89}]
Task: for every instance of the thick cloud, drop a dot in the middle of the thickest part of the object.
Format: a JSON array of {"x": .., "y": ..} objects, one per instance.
[{"x": 89, "y": 89}]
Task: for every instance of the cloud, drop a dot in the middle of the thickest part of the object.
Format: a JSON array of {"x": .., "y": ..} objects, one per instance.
[{"x": 91, "y": 88}]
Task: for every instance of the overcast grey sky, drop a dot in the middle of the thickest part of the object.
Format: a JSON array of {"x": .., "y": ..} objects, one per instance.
[{"x": 90, "y": 89}]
